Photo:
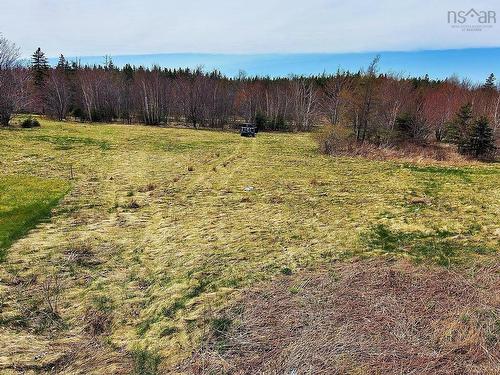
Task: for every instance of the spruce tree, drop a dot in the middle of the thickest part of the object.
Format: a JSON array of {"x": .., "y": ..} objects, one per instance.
[
  {"x": 490, "y": 82},
  {"x": 480, "y": 142},
  {"x": 62, "y": 63},
  {"x": 40, "y": 67},
  {"x": 128, "y": 72},
  {"x": 459, "y": 128}
]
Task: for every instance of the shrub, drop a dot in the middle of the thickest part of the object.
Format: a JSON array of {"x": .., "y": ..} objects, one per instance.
[
  {"x": 77, "y": 112},
  {"x": 220, "y": 326},
  {"x": 260, "y": 121},
  {"x": 52, "y": 289},
  {"x": 335, "y": 139},
  {"x": 279, "y": 123},
  {"x": 410, "y": 127},
  {"x": 4, "y": 117},
  {"x": 30, "y": 122}
]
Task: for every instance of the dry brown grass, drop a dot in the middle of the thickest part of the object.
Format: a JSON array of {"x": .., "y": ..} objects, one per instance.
[
  {"x": 92, "y": 357},
  {"x": 339, "y": 141},
  {"x": 410, "y": 152},
  {"x": 370, "y": 317},
  {"x": 97, "y": 322}
]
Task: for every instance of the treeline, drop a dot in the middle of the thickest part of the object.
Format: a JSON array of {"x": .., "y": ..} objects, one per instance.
[{"x": 376, "y": 108}]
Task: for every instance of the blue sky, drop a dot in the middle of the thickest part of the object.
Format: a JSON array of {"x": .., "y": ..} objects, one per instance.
[{"x": 131, "y": 27}]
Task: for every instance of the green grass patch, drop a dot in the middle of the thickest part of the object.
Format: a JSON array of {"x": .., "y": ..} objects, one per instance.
[
  {"x": 220, "y": 327},
  {"x": 67, "y": 143},
  {"x": 441, "y": 247},
  {"x": 24, "y": 202},
  {"x": 443, "y": 171},
  {"x": 145, "y": 362}
]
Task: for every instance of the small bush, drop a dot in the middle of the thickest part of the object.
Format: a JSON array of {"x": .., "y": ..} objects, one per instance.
[
  {"x": 52, "y": 290},
  {"x": 220, "y": 327},
  {"x": 335, "y": 139},
  {"x": 77, "y": 112},
  {"x": 30, "y": 122}
]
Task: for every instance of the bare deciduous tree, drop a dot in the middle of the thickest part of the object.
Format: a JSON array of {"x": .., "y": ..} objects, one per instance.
[
  {"x": 57, "y": 94},
  {"x": 304, "y": 98},
  {"x": 14, "y": 82}
]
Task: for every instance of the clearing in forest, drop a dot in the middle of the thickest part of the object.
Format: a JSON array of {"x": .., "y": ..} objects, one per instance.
[{"x": 160, "y": 228}]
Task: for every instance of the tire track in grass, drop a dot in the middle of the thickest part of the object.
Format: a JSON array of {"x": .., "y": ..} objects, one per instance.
[{"x": 184, "y": 236}]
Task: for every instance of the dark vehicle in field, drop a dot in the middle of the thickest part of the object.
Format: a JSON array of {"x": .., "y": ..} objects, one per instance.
[{"x": 248, "y": 130}]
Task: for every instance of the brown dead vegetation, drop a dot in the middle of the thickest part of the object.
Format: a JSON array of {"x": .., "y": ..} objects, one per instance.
[
  {"x": 81, "y": 254},
  {"x": 413, "y": 152},
  {"x": 366, "y": 317},
  {"x": 80, "y": 357},
  {"x": 97, "y": 322}
]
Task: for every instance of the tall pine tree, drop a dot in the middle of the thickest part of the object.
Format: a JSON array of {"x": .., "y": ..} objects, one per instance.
[{"x": 40, "y": 67}]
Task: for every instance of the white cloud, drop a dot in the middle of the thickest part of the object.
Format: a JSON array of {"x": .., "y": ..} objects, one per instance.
[{"x": 92, "y": 27}]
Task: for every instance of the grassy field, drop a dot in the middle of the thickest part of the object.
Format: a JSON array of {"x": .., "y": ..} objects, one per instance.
[
  {"x": 24, "y": 201},
  {"x": 164, "y": 227}
]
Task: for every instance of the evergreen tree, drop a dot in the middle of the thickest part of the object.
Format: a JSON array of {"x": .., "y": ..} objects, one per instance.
[
  {"x": 490, "y": 82},
  {"x": 128, "y": 72},
  {"x": 404, "y": 124},
  {"x": 480, "y": 142},
  {"x": 108, "y": 63},
  {"x": 260, "y": 120},
  {"x": 62, "y": 63},
  {"x": 458, "y": 129},
  {"x": 40, "y": 67}
]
